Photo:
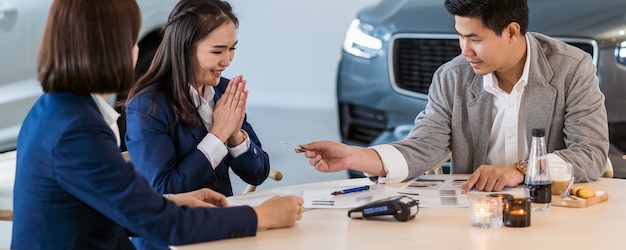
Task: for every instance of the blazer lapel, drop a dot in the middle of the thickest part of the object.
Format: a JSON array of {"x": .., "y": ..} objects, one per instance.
[
  {"x": 217, "y": 95},
  {"x": 200, "y": 132},
  {"x": 481, "y": 124},
  {"x": 539, "y": 95}
]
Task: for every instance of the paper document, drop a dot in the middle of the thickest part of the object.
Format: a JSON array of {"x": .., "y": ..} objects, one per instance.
[
  {"x": 323, "y": 198},
  {"x": 436, "y": 190},
  {"x": 256, "y": 198},
  {"x": 317, "y": 197}
]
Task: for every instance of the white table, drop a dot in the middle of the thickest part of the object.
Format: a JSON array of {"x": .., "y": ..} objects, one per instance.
[{"x": 597, "y": 227}]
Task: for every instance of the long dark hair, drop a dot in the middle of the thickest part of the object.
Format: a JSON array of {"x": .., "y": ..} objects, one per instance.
[
  {"x": 87, "y": 46},
  {"x": 171, "y": 69}
]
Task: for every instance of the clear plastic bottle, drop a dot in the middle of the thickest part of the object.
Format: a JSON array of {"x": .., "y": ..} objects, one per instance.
[{"x": 538, "y": 186}]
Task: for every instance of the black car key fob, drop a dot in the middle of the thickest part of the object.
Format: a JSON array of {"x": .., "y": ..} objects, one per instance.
[{"x": 403, "y": 208}]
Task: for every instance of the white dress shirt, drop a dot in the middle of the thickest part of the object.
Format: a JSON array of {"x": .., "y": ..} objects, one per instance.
[
  {"x": 109, "y": 114},
  {"x": 507, "y": 140}
]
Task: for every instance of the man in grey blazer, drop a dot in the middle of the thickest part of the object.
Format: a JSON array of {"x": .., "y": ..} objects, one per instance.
[{"x": 483, "y": 104}]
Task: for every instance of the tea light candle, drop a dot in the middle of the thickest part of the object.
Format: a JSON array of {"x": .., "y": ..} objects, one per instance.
[
  {"x": 486, "y": 212},
  {"x": 482, "y": 213},
  {"x": 517, "y": 213}
]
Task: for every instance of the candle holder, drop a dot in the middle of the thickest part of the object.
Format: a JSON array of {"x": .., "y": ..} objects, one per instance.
[
  {"x": 505, "y": 198},
  {"x": 517, "y": 213},
  {"x": 485, "y": 212}
]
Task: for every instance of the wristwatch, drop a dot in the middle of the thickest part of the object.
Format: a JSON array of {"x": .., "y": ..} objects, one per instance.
[{"x": 521, "y": 166}]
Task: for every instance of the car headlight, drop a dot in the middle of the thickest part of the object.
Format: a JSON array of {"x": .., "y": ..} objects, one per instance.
[
  {"x": 620, "y": 53},
  {"x": 359, "y": 42}
]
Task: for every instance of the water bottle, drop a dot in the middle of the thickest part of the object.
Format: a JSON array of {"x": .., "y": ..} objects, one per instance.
[{"x": 538, "y": 186}]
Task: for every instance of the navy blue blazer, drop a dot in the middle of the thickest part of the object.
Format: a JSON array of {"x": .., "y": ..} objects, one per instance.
[
  {"x": 73, "y": 189},
  {"x": 168, "y": 155}
]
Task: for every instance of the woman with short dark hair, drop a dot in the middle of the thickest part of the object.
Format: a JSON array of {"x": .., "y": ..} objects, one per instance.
[{"x": 73, "y": 189}]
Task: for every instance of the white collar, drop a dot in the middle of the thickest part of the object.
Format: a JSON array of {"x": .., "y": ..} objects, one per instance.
[
  {"x": 209, "y": 92},
  {"x": 108, "y": 113}
]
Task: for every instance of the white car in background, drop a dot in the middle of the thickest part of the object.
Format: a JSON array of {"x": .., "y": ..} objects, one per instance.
[{"x": 22, "y": 23}]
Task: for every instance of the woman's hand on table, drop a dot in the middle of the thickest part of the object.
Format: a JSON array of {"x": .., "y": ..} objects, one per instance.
[
  {"x": 200, "y": 198},
  {"x": 279, "y": 212}
]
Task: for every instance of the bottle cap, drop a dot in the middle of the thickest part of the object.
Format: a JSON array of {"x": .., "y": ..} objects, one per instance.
[{"x": 538, "y": 132}]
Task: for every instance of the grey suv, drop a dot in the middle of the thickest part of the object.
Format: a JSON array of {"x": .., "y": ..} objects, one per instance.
[
  {"x": 392, "y": 49},
  {"x": 21, "y": 26}
]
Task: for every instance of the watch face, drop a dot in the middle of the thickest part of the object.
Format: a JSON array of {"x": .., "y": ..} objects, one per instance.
[{"x": 521, "y": 166}]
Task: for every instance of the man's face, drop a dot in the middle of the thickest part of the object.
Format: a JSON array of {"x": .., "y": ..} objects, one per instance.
[{"x": 485, "y": 51}]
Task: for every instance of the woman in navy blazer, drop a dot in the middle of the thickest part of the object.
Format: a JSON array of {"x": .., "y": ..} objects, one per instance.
[
  {"x": 186, "y": 124},
  {"x": 73, "y": 189}
]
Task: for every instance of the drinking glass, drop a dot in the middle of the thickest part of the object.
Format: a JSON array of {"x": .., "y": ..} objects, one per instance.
[{"x": 562, "y": 178}]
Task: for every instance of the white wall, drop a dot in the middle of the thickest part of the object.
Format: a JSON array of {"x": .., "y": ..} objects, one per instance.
[{"x": 289, "y": 49}]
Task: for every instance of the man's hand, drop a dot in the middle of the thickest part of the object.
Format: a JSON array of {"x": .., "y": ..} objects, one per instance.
[
  {"x": 328, "y": 156},
  {"x": 493, "y": 178},
  {"x": 200, "y": 198}
]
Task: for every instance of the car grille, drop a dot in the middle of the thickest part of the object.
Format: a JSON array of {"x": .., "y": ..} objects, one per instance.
[
  {"x": 415, "y": 58},
  {"x": 360, "y": 124}
]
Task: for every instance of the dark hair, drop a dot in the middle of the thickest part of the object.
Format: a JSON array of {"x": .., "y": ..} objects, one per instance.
[
  {"x": 171, "y": 69},
  {"x": 87, "y": 46},
  {"x": 494, "y": 14}
]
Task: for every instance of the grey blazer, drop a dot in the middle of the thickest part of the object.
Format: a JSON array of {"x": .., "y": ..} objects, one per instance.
[{"x": 562, "y": 96}]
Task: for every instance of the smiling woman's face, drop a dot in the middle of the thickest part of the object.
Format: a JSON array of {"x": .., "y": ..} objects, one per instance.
[{"x": 214, "y": 54}]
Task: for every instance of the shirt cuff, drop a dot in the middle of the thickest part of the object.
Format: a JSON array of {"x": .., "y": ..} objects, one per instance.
[
  {"x": 213, "y": 149},
  {"x": 241, "y": 148},
  {"x": 554, "y": 158},
  {"x": 393, "y": 162}
]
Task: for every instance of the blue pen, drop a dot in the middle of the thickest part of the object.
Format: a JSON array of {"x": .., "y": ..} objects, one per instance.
[{"x": 351, "y": 190}]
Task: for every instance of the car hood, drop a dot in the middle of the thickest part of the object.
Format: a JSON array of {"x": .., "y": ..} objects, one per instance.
[{"x": 598, "y": 19}]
